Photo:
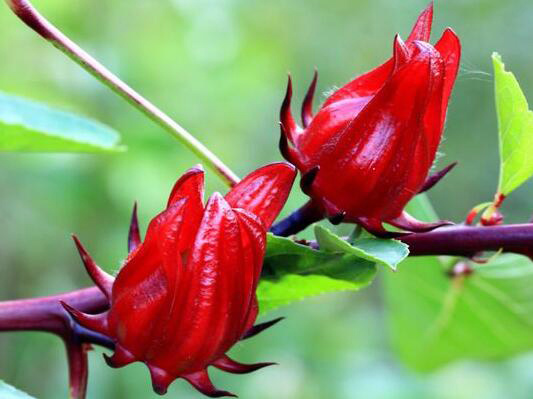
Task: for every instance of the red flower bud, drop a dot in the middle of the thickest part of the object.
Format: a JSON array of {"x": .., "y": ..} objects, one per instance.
[
  {"x": 186, "y": 294},
  {"x": 370, "y": 147}
]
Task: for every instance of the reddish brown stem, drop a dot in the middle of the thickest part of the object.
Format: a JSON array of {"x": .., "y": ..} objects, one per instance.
[{"x": 46, "y": 314}]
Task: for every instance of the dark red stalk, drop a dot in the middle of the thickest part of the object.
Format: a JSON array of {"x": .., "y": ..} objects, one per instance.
[
  {"x": 461, "y": 240},
  {"x": 46, "y": 314}
]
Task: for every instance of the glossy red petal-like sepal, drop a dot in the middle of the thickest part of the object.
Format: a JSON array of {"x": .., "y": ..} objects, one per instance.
[
  {"x": 231, "y": 366},
  {"x": 449, "y": 47},
  {"x": 190, "y": 185},
  {"x": 264, "y": 191},
  {"x": 200, "y": 380},
  {"x": 258, "y": 328},
  {"x": 103, "y": 280},
  {"x": 134, "y": 235}
]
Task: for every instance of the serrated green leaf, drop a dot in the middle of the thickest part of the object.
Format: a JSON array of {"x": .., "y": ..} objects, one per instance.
[
  {"x": 383, "y": 252},
  {"x": 515, "y": 122},
  {"x": 292, "y": 272},
  {"x": 28, "y": 126},
  {"x": 435, "y": 319},
  {"x": 9, "y": 392}
]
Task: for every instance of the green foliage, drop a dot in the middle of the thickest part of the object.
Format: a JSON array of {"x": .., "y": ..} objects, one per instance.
[
  {"x": 384, "y": 252},
  {"x": 515, "y": 122},
  {"x": 27, "y": 126},
  {"x": 295, "y": 272},
  {"x": 8, "y": 392},
  {"x": 435, "y": 319}
]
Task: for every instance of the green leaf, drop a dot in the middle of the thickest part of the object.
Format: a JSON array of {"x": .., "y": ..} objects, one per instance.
[
  {"x": 435, "y": 319},
  {"x": 27, "y": 126},
  {"x": 293, "y": 272},
  {"x": 292, "y": 288},
  {"x": 383, "y": 252},
  {"x": 515, "y": 122},
  {"x": 9, "y": 392}
]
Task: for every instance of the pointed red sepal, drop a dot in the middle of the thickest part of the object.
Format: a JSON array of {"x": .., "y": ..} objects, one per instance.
[
  {"x": 231, "y": 366},
  {"x": 264, "y": 191},
  {"x": 160, "y": 379},
  {"x": 200, "y": 380},
  {"x": 400, "y": 52},
  {"x": 285, "y": 148},
  {"x": 258, "y": 328},
  {"x": 134, "y": 236},
  {"x": 96, "y": 323},
  {"x": 422, "y": 27},
  {"x": 190, "y": 186},
  {"x": 432, "y": 180},
  {"x": 409, "y": 223},
  {"x": 103, "y": 280},
  {"x": 307, "y": 105},
  {"x": 120, "y": 358},
  {"x": 285, "y": 114}
]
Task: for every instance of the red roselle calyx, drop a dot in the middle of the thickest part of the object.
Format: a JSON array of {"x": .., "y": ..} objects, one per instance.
[
  {"x": 186, "y": 294},
  {"x": 369, "y": 148}
]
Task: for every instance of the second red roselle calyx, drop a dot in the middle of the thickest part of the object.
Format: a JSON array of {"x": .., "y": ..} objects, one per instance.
[
  {"x": 186, "y": 294},
  {"x": 370, "y": 147}
]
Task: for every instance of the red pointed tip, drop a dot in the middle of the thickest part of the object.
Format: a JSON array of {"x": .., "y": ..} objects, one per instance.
[
  {"x": 285, "y": 114},
  {"x": 422, "y": 28},
  {"x": 432, "y": 180},
  {"x": 96, "y": 323},
  {"x": 400, "y": 52},
  {"x": 307, "y": 105},
  {"x": 258, "y": 328},
  {"x": 409, "y": 223},
  {"x": 121, "y": 357},
  {"x": 160, "y": 379},
  {"x": 134, "y": 236},
  {"x": 200, "y": 380},
  {"x": 231, "y": 366},
  {"x": 103, "y": 280},
  {"x": 284, "y": 148}
]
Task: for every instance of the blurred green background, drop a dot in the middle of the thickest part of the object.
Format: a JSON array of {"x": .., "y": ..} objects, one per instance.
[{"x": 219, "y": 67}]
